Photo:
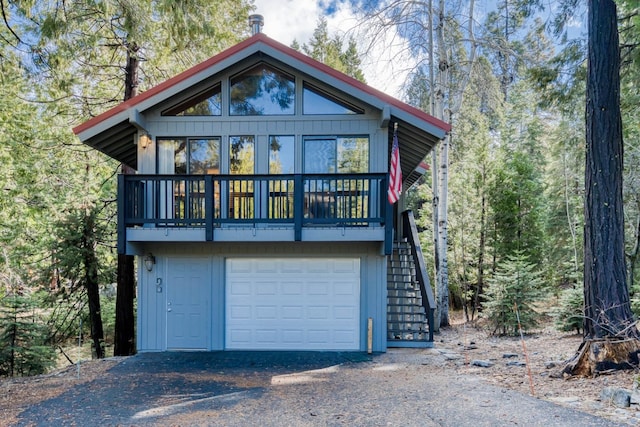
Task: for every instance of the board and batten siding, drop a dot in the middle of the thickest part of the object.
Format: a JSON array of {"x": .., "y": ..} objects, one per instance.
[{"x": 152, "y": 303}]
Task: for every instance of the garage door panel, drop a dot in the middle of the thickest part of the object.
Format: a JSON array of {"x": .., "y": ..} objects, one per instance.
[
  {"x": 238, "y": 287},
  {"x": 267, "y": 288},
  {"x": 286, "y": 306},
  {"x": 240, "y": 266},
  {"x": 344, "y": 336},
  {"x": 344, "y": 313},
  {"x": 291, "y": 312},
  {"x": 346, "y": 266},
  {"x": 266, "y": 312},
  {"x": 265, "y": 266},
  {"x": 266, "y": 336},
  {"x": 292, "y": 336},
  {"x": 319, "y": 312},
  {"x": 321, "y": 336},
  {"x": 318, "y": 288},
  {"x": 344, "y": 288},
  {"x": 240, "y": 312}
]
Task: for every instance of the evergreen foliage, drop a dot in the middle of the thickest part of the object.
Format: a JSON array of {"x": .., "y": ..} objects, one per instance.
[
  {"x": 24, "y": 348},
  {"x": 516, "y": 284},
  {"x": 77, "y": 252},
  {"x": 569, "y": 315},
  {"x": 331, "y": 51}
]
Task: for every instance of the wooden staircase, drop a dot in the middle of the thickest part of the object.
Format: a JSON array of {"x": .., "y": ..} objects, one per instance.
[{"x": 409, "y": 305}]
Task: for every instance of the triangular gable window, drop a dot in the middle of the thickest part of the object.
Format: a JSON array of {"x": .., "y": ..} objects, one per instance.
[
  {"x": 262, "y": 90},
  {"x": 207, "y": 103},
  {"x": 316, "y": 101}
]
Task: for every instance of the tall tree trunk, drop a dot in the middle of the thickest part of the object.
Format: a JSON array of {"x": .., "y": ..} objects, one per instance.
[
  {"x": 607, "y": 307},
  {"x": 92, "y": 284},
  {"x": 124, "y": 339},
  {"x": 442, "y": 188},
  {"x": 434, "y": 173},
  {"x": 481, "y": 253}
]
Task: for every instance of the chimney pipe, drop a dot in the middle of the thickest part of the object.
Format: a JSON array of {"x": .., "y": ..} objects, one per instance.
[{"x": 256, "y": 22}]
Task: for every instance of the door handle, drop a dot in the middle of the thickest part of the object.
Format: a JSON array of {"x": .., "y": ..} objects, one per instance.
[{"x": 168, "y": 306}]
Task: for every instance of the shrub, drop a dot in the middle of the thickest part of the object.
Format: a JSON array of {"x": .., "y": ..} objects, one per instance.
[
  {"x": 569, "y": 314},
  {"x": 516, "y": 283}
]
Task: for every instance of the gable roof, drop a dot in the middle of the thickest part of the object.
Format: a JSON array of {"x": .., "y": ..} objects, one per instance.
[{"x": 113, "y": 131}]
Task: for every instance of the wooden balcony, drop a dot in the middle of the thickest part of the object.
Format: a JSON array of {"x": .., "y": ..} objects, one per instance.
[{"x": 214, "y": 203}]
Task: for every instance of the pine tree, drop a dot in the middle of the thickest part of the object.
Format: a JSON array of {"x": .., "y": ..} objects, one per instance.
[
  {"x": 516, "y": 285},
  {"x": 77, "y": 252},
  {"x": 569, "y": 315},
  {"x": 23, "y": 334}
]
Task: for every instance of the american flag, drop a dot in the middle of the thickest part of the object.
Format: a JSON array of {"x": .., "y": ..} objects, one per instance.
[{"x": 395, "y": 173}]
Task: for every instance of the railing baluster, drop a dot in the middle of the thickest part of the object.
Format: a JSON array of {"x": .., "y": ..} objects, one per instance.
[{"x": 212, "y": 200}]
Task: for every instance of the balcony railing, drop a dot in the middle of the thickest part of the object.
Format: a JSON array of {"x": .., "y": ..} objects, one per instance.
[{"x": 214, "y": 201}]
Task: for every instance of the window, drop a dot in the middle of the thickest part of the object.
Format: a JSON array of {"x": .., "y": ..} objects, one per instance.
[
  {"x": 281, "y": 161},
  {"x": 189, "y": 156},
  {"x": 314, "y": 101},
  {"x": 262, "y": 90},
  {"x": 184, "y": 197},
  {"x": 281, "y": 155},
  {"x": 241, "y": 155},
  {"x": 241, "y": 190},
  {"x": 330, "y": 198},
  {"x": 336, "y": 155},
  {"x": 207, "y": 103}
]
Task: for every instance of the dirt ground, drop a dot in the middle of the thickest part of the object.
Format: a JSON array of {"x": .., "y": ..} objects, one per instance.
[
  {"x": 547, "y": 350},
  {"x": 461, "y": 344}
]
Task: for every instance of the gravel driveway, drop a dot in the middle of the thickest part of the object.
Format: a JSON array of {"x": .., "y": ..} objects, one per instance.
[{"x": 404, "y": 387}]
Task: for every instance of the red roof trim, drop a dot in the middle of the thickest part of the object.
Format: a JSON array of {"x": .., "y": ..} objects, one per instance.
[{"x": 261, "y": 37}]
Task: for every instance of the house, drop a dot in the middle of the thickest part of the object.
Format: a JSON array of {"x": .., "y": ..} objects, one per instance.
[{"x": 259, "y": 209}]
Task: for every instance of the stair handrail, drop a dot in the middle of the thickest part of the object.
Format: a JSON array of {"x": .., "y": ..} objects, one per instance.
[{"x": 411, "y": 234}]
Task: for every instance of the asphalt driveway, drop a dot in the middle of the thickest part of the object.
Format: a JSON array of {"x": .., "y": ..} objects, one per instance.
[{"x": 398, "y": 388}]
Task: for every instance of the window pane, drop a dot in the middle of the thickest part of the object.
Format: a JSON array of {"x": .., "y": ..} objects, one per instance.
[
  {"x": 353, "y": 155},
  {"x": 262, "y": 90},
  {"x": 208, "y": 103},
  {"x": 241, "y": 155},
  {"x": 211, "y": 106},
  {"x": 281, "y": 154},
  {"x": 204, "y": 156},
  {"x": 320, "y": 156},
  {"x": 316, "y": 102},
  {"x": 172, "y": 157}
]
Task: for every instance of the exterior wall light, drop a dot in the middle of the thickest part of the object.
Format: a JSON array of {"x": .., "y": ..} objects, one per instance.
[
  {"x": 145, "y": 140},
  {"x": 149, "y": 261}
]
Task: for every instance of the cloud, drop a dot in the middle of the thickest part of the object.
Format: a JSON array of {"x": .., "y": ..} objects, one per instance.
[
  {"x": 386, "y": 63},
  {"x": 288, "y": 20}
]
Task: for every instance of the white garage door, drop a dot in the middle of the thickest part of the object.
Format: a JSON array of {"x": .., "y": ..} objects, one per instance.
[{"x": 293, "y": 304}]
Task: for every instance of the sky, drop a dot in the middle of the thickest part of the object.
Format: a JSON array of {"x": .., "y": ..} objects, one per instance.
[
  {"x": 385, "y": 68},
  {"x": 289, "y": 20}
]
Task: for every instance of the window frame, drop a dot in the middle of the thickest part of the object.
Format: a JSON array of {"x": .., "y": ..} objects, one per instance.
[
  {"x": 192, "y": 101},
  {"x": 187, "y": 150},
  {"x": 265, "y": 65},
  {"x": 335, "y": 138},
  {"x": 307, "y": 86}
]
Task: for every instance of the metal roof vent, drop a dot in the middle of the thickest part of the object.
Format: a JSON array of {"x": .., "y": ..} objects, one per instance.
[{"x": 256, "y": 22}]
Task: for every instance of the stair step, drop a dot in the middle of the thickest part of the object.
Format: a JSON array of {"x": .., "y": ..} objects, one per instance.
[{"x": 406, "y": 317}]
